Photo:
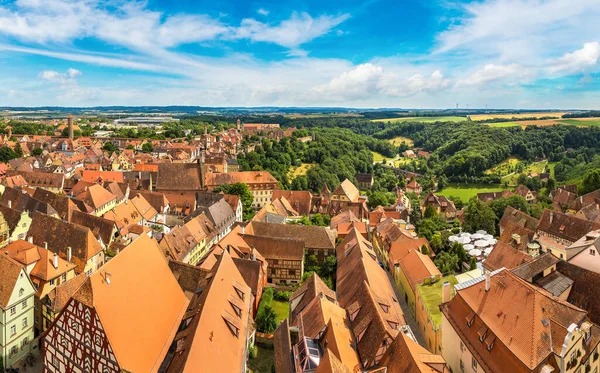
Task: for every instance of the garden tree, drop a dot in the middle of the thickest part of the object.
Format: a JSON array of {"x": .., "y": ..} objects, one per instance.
[
  {"x": 328, "y": 267},
  {"x": 591, "y": 181},
  {"x": 424, "y": 250},
  {"x": 18, "y": 150},
  {"x": 533, "y": 183},
  {"x": 311, "y": 263},
  {"x": 147, "y": 147},
  {"x": 130, "y": 147},
  {"x": 550, "y": 185},
  {"x": 459, "y": 250},
  {"x": 266, "y": 320},
  {"x": 430, "y": 213},
  {"x": 320, "y": 220},
  {"x": 300, "y": 182},
  {"x": 500, "y": 204},
  {"x": 537, "y": 209},
  {"x": 242, "y": 190},
  {"x": 442, "y": 182},
  {"x": 446, "y": 262},
  {"x": 109, "y": 147},
  {"x": 380, "y": 199},
  {"x": 458, "y": 202},
  {"x": 436, "y": 243},
  {"x": 37, "y": 151},
  {"x": 327, "y": 280},
  {"x": 6, "y": 154},
  {"x": 473, "y": 264},
  {"x": 479, "y": 216}
]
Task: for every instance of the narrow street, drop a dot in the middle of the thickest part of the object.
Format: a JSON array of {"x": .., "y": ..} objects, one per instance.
[{"x": 410, "y": 320}]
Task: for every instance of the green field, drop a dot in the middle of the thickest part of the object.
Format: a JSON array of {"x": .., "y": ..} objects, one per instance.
[
  {"x": 396, "y": 141},
  {"x": 467, "y": 191},
  {"x": 505, "y": 124},
  {"x": 550, "y": 168},
  {"x": 423, "y": 119},
  {"x": 282, "y": 309},
  {"x": 586, "y": 123}
]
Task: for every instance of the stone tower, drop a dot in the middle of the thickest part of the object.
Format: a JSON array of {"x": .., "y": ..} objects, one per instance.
[{"x": 70, "y": 122}]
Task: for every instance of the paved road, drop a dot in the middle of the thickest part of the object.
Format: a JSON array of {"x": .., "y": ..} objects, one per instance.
[{"x": 410, "y": 320}]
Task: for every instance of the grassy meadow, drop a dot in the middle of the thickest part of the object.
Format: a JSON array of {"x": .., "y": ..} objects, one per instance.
[
  {"x": 467, "y": 191},
  {"x": 423, "y": 119}
]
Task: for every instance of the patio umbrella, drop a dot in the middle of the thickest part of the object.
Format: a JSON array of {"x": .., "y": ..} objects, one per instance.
[
  {"x": 464, "y": 240},
  {"x": 475, "y": 252},
  {"x": 453, "y": 238},
  {"x": 481, "y": 231},
  {"x": 488, "y": 237},
  {"x": 468, "y": 247},
  {"x": 482, "y": 243},
  {"x": 488, "y": 251},
  {"x": 465, "y": 234},
  {"x": 477, "y": 236}
]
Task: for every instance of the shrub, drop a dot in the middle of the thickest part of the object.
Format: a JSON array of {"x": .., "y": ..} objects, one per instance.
[
  {"x": 266, "y": 321},
  {"x": 282, "y": 296},
  {"x": 253, "y": 352}
]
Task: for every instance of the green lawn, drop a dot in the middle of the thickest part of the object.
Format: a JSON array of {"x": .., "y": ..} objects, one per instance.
[
  {"x": 282, "y": 309},
  {"x": 550, "y": 168},
  {"x": 378, "y": 157},
  {"x": 467, "y": 191},
  {"x": 431, "y": 294},
  {"x": 423, "y": 119},
  {"x": 263, "y": 362}
]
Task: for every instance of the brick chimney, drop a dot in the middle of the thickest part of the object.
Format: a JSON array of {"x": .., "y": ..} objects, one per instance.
[{"x": 446, "y": 292}]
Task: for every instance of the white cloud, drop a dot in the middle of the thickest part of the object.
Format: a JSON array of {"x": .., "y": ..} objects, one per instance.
[
  {"x": 263, "y": 12},
  {"x": 492, "y": 73},
  {"x": 69, "y": 90},
  {"x": 369, "y": 80},
  {"x": 521, "y": 29},
  {"x": 134, "y": 26},
  {"x": 580, "y": 61},
  {"x": 299, "y": 29},
  {"x": 63, "y": 78}
]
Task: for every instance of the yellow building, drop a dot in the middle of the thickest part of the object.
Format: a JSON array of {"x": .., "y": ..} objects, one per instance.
[
  {"x": 411, "y": 270},
  {"x": 45, "y": 269},
  {"x": 16, "y": 311},
  {"x": 429, "y": 296}
]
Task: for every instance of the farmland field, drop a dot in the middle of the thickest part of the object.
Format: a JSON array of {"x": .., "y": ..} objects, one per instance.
[
  {"x": 398, "y": 140},
  {"x": 477, "y": 117},
  {"x": 466, "y": 191},
  {"x": 423, "y": 119},
  {"x": 581, "y": 122}
]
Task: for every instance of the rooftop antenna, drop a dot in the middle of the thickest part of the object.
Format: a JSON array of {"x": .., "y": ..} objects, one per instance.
[{"x": 457, "y": 106}]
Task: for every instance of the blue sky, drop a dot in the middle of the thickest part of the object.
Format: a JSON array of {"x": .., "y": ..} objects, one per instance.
[{"x": 377, "y": 53}]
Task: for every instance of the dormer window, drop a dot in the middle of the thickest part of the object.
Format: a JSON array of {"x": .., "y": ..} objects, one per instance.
[
  {"x": 385, "y": 307},
  {"x": 592, "y": 252}
]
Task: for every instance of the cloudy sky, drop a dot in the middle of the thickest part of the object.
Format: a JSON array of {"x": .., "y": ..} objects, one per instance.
[{"x": 374, "y": 53}]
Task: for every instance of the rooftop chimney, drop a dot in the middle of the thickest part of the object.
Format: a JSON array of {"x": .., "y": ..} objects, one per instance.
[
  {"x": 446, "y": 292},
  {"x": 551, "y": 217},
  {"x": 55, "y": 261},
  {"x": 9, "y": 204},
  {"x": 243, "y": 229},
  {"x": 69, "y": 253},
  {"x": 488, "y": 280},
  {"x": 30, "y": 239},
  {"x": 46, "y": 245}
]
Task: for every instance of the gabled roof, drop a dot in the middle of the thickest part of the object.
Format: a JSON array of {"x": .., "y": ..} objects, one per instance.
[
  {"x": 43, "y": 269},
  {"x": 584, "y": 200},
  {"x": 157, "y": 200},
  {"x": 95, "y": 176},
  {"x": 346, "y": 216},
  {"x": 505, "y": 256},
  {"x": 60, "y": 235},
  {"x": 313, "y": 237},
  {"x": 11, "y": 270},
  {"x": 300, "y": 200},
  {"x": 567, "y": 227},
  {"x": 248, "y": 177},
  {"x": 417, "y": 267},
  {"x": 312, "y": 288},
  {"x": 216, "y": 335},
  {"x": 179, "y": 176},
  {"x": 96, "y": 196},
  {"x": 522, "y": 334},
  {"x": 517, "y": 217},
  {"x": 276, "y": 248},
  {"x": 407, "y": 356},
  {"x": 21, "y": 201},
  {"x": 145, "y": 293},
  {"x": 64, "y": 206},
  {"x": 102, "y": 228},
  {"x": 348, "y": 189}
]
